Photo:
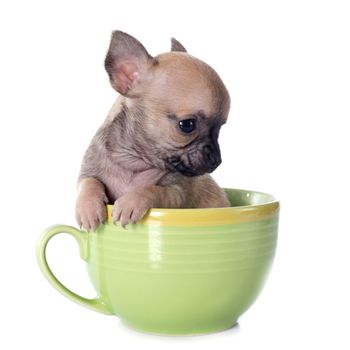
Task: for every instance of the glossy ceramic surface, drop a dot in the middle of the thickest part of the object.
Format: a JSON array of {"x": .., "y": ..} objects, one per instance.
[{"x": 179, "y": 271}]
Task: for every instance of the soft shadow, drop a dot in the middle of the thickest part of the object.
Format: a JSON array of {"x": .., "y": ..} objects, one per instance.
[{"x": 227, "y": 332}]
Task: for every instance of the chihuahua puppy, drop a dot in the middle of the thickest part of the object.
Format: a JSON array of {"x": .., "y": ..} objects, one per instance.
[{"x": 160, "y": 139}]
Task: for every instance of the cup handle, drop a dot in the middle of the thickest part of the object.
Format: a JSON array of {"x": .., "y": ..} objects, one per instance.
[{"x": 94, "y": 304}]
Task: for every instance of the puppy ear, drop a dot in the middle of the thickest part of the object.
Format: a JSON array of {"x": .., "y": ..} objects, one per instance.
[
  {"x": 176, "y": 46},
  {"x": 126, "y": 62}
]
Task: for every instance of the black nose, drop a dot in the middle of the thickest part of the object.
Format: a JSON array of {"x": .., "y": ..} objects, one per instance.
[{"x": 212, "y": 156}]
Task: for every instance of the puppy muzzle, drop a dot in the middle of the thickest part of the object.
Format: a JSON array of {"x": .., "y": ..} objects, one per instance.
[{"x": 196, "y": 162}]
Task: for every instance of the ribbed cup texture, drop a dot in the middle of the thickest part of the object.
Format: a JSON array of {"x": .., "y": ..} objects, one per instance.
[{"x": 152, "y": 249}]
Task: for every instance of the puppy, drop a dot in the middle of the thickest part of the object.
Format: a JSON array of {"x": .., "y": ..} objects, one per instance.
[{"x": 160, "y": 139}]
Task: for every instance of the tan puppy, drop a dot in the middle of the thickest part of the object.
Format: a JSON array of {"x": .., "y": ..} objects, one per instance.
[{"x": 159, "y": 139}]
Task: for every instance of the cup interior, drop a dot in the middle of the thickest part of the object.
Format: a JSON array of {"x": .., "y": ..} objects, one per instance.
[{"x": 240, "y": 198}]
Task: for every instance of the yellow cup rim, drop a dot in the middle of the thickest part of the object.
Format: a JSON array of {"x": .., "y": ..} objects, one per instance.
[{"x": 210, "y": 216}]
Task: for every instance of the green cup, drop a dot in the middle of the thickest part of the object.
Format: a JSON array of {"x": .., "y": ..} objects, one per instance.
[{"x": 178, "y": 271}]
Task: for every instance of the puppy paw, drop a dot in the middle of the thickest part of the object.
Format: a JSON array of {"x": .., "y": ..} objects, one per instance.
[
  {"x": 130, "y": 208},
  {"x": 90, "y": 213}
]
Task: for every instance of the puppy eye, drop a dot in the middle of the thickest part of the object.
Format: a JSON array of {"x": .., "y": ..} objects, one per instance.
[{"x": 187, "y": 125}]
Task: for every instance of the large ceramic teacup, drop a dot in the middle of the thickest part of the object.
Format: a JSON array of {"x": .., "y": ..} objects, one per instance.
[{"x": 178, "y": 271}]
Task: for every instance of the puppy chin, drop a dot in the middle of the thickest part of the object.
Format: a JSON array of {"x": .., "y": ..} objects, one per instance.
[
  {"x": 188, "y": 171},
  {"x": 180, "y": 167},
  {"x": 194, "y": 162}
]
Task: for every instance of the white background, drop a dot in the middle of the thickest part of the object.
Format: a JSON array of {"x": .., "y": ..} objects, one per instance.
[{"x": 286, "y": 65}]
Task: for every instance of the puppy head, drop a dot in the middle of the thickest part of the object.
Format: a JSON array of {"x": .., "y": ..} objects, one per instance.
[{"x": 183, "y": 103}]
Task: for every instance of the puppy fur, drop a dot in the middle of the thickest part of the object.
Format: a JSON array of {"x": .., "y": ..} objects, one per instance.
[{"x": 140, "y": 158}]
